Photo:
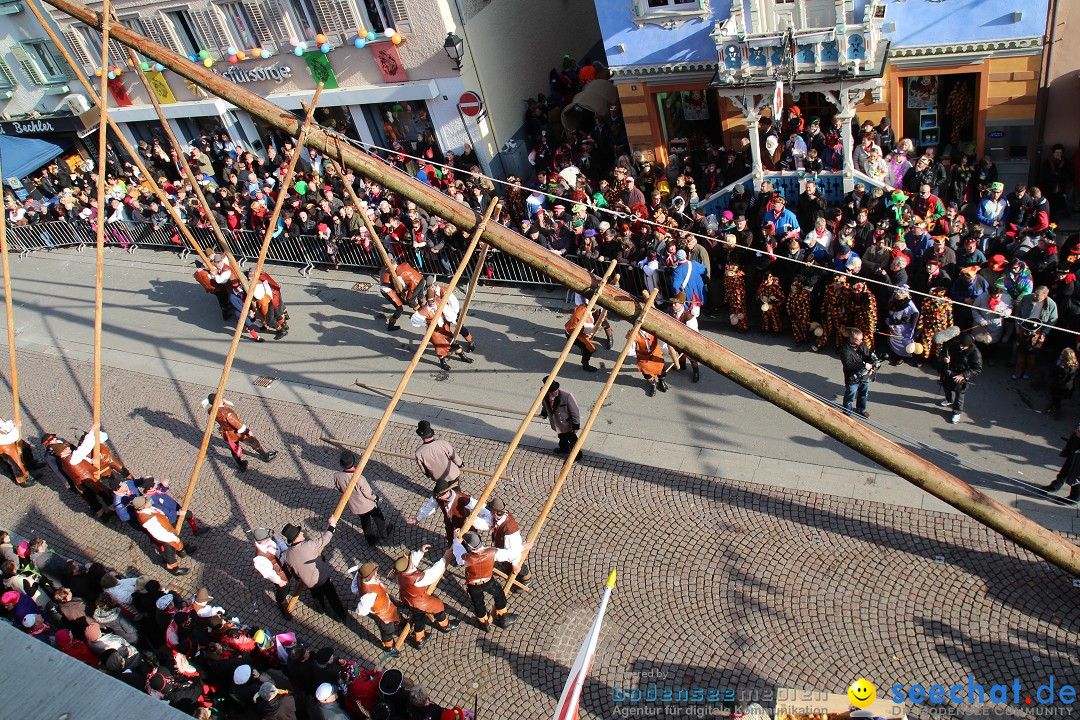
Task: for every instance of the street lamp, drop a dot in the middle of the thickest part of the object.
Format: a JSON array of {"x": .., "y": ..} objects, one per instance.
[{"x": 455, "y": 49}]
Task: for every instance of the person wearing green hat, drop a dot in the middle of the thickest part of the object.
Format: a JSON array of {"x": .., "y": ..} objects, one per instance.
[
  {"x": 993, "y": 209},
  {"x": 988, "y": 317}
]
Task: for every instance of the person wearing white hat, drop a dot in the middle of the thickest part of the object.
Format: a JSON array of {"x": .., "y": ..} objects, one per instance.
[{"x": 329, "y": 708}]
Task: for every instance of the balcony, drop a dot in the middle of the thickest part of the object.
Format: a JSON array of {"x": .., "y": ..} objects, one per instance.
[{"x": 843, "y": 51}]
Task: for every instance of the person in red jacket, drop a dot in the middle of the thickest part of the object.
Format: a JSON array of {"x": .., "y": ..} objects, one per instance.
[{"x": 66, "y": 643}]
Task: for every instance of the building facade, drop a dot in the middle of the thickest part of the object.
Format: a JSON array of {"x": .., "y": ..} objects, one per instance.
[
  {"x": 959, "y": 75},
  {"x": 39, "y": 101}
]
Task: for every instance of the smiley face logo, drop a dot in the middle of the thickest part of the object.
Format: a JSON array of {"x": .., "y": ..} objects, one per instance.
[{"x": 862, "y": 693}]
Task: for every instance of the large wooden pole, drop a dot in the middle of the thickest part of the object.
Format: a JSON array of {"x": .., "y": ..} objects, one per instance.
[
  {"x": 852, "y": 433},
  {"x": 148, "y": 176},
  {"x": 249, "y": 297},
  {"x": 392, "y": 405},
  {"x": 399, "y": 284},
  {"x": 16, "y": 416},
  {"x": 103, "y": 125},
  {"x": 585, "y": 430}
]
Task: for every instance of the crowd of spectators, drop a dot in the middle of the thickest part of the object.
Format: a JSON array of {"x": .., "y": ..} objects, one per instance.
[
  {"x": 188, "y": 651},
  {"x": 951, "y": 230}
]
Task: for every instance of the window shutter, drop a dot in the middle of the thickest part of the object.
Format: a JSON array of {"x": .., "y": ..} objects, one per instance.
[
  {"x": 400, "y": 11},
  {"x": 269, "y": 22},
  {"x": 78, "y": 48},
  {"x": 7, "y": 78},
  {"x": 211, "y": 29},
  {"x": 118, "y": 54},
  {"x": 161, "y": 32},
  {"x": 29, "y": 67},
  {"x": 337, "y": 17}
]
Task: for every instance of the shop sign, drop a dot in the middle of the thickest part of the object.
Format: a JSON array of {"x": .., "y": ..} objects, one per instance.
[
  {"x": 42, "y": 126},
  {"x": 277, "y": 73},
  {"x": 996, "y": 134}
]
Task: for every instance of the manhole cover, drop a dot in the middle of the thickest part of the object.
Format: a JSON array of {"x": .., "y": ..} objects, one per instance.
[
  {"x": 361, "y": 286},
  {"x": 263, "y": 381}
]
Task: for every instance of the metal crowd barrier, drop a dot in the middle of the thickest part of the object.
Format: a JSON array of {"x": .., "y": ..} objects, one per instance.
[{"x": 308, "y": 252}]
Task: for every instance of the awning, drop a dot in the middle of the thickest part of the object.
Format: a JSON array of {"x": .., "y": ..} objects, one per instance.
[{"x": 21, "y": 156}]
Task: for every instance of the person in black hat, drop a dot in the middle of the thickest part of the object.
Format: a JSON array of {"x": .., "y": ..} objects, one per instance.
[
  {"x": 456, "y": 506},
  {"x": 363, "y": 502},
  {"x": 305, "y": 560},
  {"x": 561, "y": 410},
  {"x": 479, "y": 563},
  {"x": 506, "y": 535}
]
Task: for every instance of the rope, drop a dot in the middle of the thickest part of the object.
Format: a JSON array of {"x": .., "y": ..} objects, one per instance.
[{"x": 618, "y": 214}]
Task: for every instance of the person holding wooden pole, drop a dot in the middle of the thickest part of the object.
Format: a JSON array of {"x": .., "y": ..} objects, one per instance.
[
  {"x": 479, "y": 562},
  {"x": 413, "y": 292},
  {"x": 427, "y": 314},
  {"x": 569, "y": 464},
  {"x": 506, "y": 535},
  {"x": 305, "y": 560},
  {"x": 415, "y": 587}
]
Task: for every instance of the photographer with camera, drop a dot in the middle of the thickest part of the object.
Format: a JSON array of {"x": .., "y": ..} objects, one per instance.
[{"x": 860, "y": 366}]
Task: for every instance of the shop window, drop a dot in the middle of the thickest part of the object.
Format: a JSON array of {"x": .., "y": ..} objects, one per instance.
[
  {"x": 669, "y": 13},
  {"x": 190, "y": 42},
  {"x": 404, "y": 126}
]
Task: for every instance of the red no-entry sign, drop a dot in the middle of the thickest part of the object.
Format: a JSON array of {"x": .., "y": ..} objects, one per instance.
[{"x": 470, "y": 103}]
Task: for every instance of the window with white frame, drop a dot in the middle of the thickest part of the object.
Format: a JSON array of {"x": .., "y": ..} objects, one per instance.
[
  {"x": 241, "y": 24},
  {"x": 185, "y": 31},
  {"x": 669, "y": 12},
  {"x": 40, "y": 55}
]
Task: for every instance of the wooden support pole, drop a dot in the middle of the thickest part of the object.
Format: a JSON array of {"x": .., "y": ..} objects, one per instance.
[
  {"x": 948, "y": 488},
  {"x": 249, "y": 297},
  {"x": 102, "y": 213},
  {"x": 403, "y": 456},
  {"x": 585, "y": 429},
  {"x": 399, "y": 285},
  {"x": 190, "y": 175},
  {"x": 148, "y": 176},
  {"x": 484, "y": 248},
  {"x": 16, "y": 413}
]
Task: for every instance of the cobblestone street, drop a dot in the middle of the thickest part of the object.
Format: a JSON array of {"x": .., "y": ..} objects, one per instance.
[{"x": 722, "y": 583}]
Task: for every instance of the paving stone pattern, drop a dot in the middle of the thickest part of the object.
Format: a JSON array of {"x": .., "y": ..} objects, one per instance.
[{"x": 722, "y": 583}]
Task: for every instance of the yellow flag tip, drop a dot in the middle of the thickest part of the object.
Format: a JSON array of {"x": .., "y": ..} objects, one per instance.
[{"x": 610, "y": 579}]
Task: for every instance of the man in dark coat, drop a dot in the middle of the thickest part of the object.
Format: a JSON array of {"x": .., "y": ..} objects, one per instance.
[
  {"x": 960, "y": 363},
  {"x": 305, "y": 559},
  {"x": 1069, "y": 474}
]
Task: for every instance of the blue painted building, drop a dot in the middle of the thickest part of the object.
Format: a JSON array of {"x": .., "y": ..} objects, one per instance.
[{"x": 959, "y": 75}]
